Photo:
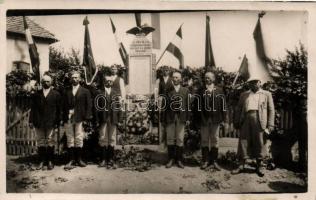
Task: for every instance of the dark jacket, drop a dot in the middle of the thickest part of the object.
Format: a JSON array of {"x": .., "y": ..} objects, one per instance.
[
  {"x": 46, "y": 112},
  {"x": 107, "y": 106},
  {"x": 213, "y": 105},
  {"x": 81, "y": 103},
  {"x": 177, "y": 103},
  {"x": 164, "y": 87}
]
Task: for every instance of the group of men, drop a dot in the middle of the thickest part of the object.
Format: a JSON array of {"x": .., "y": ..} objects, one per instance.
[{"x": 253, "y": 116}]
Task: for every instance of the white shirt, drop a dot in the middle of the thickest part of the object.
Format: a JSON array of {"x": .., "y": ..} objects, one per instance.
[
  {"x": 108, "y": 91},
  {"x": 210, "y": 88},
  {"x": 122, "y": 87},
  {"x": 253, "y": 101},
  {"x": 45, "y": 92},
  {"x": 177, "y": 87},
  {"x": 165, "y": 78},
  {"x": 75, "y": 89}
]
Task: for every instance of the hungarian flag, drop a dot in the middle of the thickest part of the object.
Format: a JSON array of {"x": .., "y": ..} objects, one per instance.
[
  {"x": 155, "y": 23},
  {"x": 260, "y": 50},
  {"x": 88, "y": 60},
  {"x": 209, "y": 57},
  {"x": 174, "y": 47},
  {"x": 122, "y": 50},
  {"x": 243, "y": 69},
  {"x": 34, "y": 56}
]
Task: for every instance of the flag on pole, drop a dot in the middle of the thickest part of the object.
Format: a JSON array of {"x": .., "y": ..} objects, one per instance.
[
  {"x": 260, "y": 50},
  {"x": 121, "y": 48},
  {"x": 243, "y": 69},
  {"x": 138, "y": 19},
  {"x": 174, "y": 47},
  {"x": 155, "y": 23},
  {"x": 88, "y": 60},
  {"x": 209, "y": 57},
  {"x": 34, "y": 56}
]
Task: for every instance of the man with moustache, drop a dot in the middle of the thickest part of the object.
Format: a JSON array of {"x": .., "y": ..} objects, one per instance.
[
  {"x": 254, "y": 116},
  {"x": 78, "y": 109},
  {"x": 176, "y": 116},
  {"x": 45, "y": 115},
  {"x": 213, "y": 113},
  {"x": 107, "y": 105}
]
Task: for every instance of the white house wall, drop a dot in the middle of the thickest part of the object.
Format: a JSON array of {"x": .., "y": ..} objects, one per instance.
[{"x": 17, "y": 50}]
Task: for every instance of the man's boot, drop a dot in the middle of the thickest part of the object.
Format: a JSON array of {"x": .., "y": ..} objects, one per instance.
[
  {"x": 41, "y": 157},
  {"x": 103, "y": 162},
  {"x": 179, "y": 153},
  {"x": 111, "y": 162},
  {"x": 214, "y": 156},
  {"x": 50, "y": 158},
  {"x": 80, "y": 162},
  {"x": 259, "y": 169},
  {"x": 205, "y": 155},
  {"x": 171, "y": 156},
  {"x": 240, "y": 168},
  {"x": 71, "y": 155}
]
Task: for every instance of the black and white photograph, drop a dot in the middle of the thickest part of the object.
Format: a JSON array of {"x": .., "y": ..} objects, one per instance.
[{"x": 156, "y": 101}]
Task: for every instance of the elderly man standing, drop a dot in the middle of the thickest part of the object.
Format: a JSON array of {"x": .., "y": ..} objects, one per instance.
[
  {"x": 213, "y": 113},
  {"x": 176, "y": 116},
  {"x": 107, "y": 105},
  {"x": 45, "y": 116},
  {"x": 78, "y": 109},
  {"x": 254, "y": 116}
]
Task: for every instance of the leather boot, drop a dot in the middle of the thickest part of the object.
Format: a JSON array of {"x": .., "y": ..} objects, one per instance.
[
  {"x": 204, "y": 163},
  {"x": 71, "y": 155},
  {"x": 41, "y": 157},
  {"x": 259, "y": 169},
  {"x": 103, "y": 162},
  {"x": 171, "y": 156},
  {"x": 214, "y": 155},
  {"x": 79, "y": 157},
  {"x": 50, "y": 158},
  {"x": 179, "y": 153}
]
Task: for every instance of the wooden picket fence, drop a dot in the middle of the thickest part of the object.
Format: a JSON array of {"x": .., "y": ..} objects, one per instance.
[{"x": 21, "y": 140}]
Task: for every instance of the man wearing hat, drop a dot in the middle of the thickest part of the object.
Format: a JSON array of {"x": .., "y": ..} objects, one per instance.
[
  {"x": 107, "y": 107},
  {"x": 45, "y": 115},
  {"x": 78, "y": 109},
  {"x": 254, "y": 116},
  {"x": 176, "y": 116}
]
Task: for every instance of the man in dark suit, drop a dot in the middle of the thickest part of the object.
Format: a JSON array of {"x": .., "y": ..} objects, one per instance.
[
  {"x": 78, "y": 109},
  {"x": 213, "y": 113},
  {"x": 176, "y": 116},
  {"x": 254, "y": 116},
  {"x": 163, "y": 84},
  {"x": 45, "y": 116},
  {"x": 107, "y": 105}
]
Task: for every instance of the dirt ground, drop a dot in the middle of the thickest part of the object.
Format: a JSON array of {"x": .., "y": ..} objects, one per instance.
[{"x": 21, "y": 178}]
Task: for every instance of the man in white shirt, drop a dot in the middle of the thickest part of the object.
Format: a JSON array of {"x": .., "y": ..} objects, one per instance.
[{"x": 254, "y": 116}]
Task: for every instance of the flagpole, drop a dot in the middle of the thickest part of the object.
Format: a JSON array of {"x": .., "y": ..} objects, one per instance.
[
  {"x": 236, "y": 77},
  {"x": 167, "y": 46}
]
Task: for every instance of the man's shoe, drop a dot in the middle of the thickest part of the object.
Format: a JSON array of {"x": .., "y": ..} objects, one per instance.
[
  {"x": 259, "y": 171},
  {"x": 50, "y": 165},
  {"x": 204, "y": 165},
  {"x": 239, "y": 170},
  {"x": 40, "y": 166},
  {"x": 180, "y": 164},
  {"x": 216, "y": 166},
  {"x": 81, "y": 163},
  {"x": 69, "y": 165},
  {"x": 170, "y": 163},
  {"x": 103, "y": 163}
]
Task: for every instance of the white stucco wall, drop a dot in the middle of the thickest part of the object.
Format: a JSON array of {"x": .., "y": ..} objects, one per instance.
[{"x": 16, "y": 48}]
